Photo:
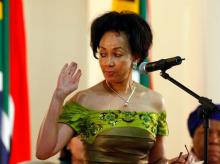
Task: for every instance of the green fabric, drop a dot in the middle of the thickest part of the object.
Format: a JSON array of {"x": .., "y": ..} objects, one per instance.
[{"x": 89, "y": 123}]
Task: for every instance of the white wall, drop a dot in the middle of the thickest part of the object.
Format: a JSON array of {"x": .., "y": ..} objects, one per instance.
[
  {"x": 212, "y": 51},
  {"x": 189, "y": 29},
  {"x": 58, "y": 32},
  {"x": 177, "y": 31}
]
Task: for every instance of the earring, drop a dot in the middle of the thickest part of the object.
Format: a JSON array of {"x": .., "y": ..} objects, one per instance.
[{"x": 134, "y": 64}]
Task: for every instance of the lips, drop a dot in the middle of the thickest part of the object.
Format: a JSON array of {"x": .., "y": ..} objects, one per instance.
[
  {"x": 214, "y": 151},
  {"x": 109, "y": 73}
]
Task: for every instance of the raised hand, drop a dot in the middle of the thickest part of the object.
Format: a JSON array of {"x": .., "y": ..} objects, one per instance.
[{"x": 68, "y": 80}]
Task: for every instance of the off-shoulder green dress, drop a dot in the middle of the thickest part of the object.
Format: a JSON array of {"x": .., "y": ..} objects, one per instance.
[{"x": 115, "y": 136}]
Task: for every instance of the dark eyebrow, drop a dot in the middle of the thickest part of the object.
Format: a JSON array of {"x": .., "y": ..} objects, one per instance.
[
  {"x": 116, "y": 48},
  {"x": 101, "y": 47}
]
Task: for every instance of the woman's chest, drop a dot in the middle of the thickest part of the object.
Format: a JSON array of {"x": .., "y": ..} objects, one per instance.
[{"x": 103, "y": 102}]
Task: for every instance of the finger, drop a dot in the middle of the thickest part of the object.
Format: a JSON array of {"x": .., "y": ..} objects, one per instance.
[
  {"x": 64, "y": 68},
  {"x": 68, "y": 69},
  {"x": 77, "y": 76},
  {"x": 72, "y": 69}
]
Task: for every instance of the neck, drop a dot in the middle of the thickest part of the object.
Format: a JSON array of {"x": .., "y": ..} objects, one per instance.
[{"x": 123, "y": 87}]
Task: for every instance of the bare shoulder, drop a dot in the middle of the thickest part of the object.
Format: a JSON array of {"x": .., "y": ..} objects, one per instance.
[
  {"x": 150, "y": 98},
  {"x": 84, "y": 96}
]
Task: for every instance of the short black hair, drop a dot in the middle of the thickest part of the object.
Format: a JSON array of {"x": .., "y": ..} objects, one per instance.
[
  {"x": 65, "y": 156},
  {"x": 136, "y": 29}
]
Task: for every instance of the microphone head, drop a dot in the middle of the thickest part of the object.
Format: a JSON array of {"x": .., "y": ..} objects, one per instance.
[{"x": 142, "y": 69}]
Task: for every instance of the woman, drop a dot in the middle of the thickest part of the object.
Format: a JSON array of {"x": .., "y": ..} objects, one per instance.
[
  {"x": 118, "y": 120},
  {"x": 73, "y": 152},
  {"x": 196, "y": 131}
]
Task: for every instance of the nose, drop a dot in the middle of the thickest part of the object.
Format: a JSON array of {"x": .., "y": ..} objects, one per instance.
[
  {"x": 110, "y": 61},
  {"x": 214, "y": 137}
]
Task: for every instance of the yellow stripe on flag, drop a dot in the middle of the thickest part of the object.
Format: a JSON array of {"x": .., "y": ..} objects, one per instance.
[
  {"x": 127, "y": 5},
  {"x": 1, "y": 11}
]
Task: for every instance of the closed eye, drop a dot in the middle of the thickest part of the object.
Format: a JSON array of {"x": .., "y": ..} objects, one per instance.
[
  {"x": 102, "y": 54},
  {"x": 118, "y": 54}
]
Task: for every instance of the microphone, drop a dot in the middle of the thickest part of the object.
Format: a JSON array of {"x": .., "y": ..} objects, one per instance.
[{"x": 162, "y": 64}]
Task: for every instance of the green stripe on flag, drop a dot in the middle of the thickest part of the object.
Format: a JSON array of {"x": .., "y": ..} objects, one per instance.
[
  {"x": 143, "y": 9},
  {"x": 144, "y": 79},
  {"x": 4, "y": 48},
  {"x": 1, "y": 37},
  {"x": 5, "y": 127}
]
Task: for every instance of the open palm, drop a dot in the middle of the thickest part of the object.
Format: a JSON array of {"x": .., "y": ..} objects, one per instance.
[{"x": 68, "y": 79}]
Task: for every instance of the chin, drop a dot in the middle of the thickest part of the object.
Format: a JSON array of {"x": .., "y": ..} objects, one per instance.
[
  {"x": 112, "y": 79},
  {"x": 213, "y": 160},
  {"x": 109, "y": 78}
]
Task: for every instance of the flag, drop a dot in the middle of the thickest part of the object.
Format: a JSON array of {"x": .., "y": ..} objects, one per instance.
[
  {"x": 15, "y": 127},
  {"x": 5, "y": 114},
  {"x": 140, "y": 7},
  {"x": 128, "y": 5}
]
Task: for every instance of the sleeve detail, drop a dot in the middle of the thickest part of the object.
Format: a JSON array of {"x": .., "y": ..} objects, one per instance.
[
  {"x": 73, "y": 115},
  {"x": 162, "y": 128},
  {"x": 89, "y": 123}
]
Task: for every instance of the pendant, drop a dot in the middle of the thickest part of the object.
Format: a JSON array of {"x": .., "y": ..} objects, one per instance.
[{"x": 126, "y": 104}]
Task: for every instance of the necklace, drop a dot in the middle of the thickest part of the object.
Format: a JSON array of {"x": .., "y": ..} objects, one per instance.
[{"x": 126, "y": 101}]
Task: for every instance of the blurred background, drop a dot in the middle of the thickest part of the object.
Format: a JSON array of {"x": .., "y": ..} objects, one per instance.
[{"x": 57, "y": 32}]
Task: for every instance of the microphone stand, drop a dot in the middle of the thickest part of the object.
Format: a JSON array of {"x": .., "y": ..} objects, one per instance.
[{"x": 207, "y": 109}]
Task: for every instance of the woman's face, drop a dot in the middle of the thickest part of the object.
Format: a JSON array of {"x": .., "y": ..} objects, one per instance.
[
  {"x": 213, "y": 142},
  {"x": 115, "y": 57}
]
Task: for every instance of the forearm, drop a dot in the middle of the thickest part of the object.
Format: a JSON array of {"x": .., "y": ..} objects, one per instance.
[
  {"x": 48, "y": 134},
  {"x": 53, "y": 136}
]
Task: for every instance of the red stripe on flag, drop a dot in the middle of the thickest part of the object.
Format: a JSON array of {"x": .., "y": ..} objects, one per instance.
[{"x": 20, "y": 148}]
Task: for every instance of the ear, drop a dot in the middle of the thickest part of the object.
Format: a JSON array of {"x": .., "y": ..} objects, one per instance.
[{"x": 136, "y": 58}]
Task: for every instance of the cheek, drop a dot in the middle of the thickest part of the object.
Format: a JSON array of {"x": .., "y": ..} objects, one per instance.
[
  {"x": 124, "y": 64},
  {"x": 123, "y": 68},
  {"x": 198, "y": 145},
  {"x": 102, "y": 64}
]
